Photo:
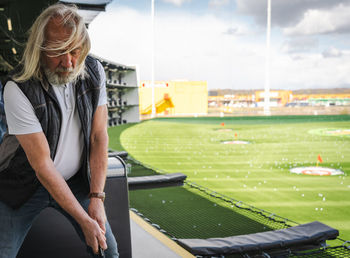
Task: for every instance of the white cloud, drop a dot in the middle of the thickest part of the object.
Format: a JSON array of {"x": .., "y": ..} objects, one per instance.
[
  {"x": 218, "y": 3},
  {"x": 196, "y": 47},
  {"x": 176, "y": 2},
  {"x": 237, "y": 30},
  {"x": 311, "y": 70},
  {"x": 299, "y": 44},
  {"x": 322, "y": 22},
  {"x": 187, "y": 46},
  {"x": 332, "y": 53},
  {"x": 285, "y": 13}
]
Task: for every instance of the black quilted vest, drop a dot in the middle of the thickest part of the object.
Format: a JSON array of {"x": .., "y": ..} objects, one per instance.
[{"x": 18, "y": 181}]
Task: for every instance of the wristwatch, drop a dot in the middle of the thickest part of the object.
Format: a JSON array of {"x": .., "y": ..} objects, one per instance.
[{"x": 101, "y": 196}]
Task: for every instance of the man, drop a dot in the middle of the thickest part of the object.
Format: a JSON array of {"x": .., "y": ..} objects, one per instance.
[{"x": 55, "y": 151}]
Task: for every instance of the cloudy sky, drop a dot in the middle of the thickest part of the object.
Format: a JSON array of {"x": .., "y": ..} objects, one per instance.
[{"x": 224, "y": 41}]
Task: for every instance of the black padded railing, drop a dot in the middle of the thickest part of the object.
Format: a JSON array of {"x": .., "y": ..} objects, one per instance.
[
  {"x": 306, "y": 236},
  {"x": 156, "y": 181}
]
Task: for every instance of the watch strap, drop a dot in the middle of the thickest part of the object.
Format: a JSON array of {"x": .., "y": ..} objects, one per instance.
[{"x": 101, "y": 195}]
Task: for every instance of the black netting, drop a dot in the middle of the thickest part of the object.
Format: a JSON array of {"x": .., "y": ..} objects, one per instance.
[
  {"x": 137, "y": 169},
  {"x": 338, "y": 251},
  {"x": 185, "y": 214},
  {"x": 193, "y": 211},
  {"x": 330, "y": 252}
]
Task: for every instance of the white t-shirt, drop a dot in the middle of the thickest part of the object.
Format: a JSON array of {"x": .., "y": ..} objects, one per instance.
[{"x": 21, "y": 119}]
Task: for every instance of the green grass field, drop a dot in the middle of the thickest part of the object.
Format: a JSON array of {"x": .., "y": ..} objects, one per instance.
[{"x": 256, "y": 173}]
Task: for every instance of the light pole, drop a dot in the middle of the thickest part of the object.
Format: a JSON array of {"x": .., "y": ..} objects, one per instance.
[
  {"x": 267, "y": 60},
  {"x": 152, "y": 63}
]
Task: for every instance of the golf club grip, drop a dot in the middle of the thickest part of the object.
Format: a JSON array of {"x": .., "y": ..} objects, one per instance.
[{"x": 101, "y": 253}]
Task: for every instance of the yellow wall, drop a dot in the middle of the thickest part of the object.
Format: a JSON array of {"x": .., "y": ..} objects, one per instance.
[
  {"x": 188, "y": 97},
  {"x": 282, "y": 97}
]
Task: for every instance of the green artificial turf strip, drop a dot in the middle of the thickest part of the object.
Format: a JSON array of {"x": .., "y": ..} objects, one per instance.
[
  {"x": 114, "y": 136},
  {"x": 140, "y": 170},
  {"x": 185, "y": 214},
  {"x": 114, "y": 144},
  {"x": 257, "y": 173}
]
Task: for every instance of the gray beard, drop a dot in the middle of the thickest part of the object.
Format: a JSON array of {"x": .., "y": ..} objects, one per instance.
[{"x": 55, "y": 79}]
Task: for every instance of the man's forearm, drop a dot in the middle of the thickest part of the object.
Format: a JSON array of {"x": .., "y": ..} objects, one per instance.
[
  {"x": 98, "y": 150},
  {"x": 52, "y": 180},
  {"x": 98, "y": 162}
]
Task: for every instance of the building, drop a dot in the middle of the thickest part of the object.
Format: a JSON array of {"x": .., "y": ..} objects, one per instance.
[
  {"x": 278, "y": 98},
  {"x": 174, "y": 98},
  {"x": 122, "y": 93},
  {"x": 335, "y": 99}
]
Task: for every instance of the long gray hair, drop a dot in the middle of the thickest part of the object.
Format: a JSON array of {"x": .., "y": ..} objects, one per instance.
[{"x": 36, "y": 42}]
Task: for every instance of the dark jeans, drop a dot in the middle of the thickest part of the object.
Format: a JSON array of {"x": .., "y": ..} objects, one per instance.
[
  {"x": 15, "y": 224},
  {"x": 2, "y": 117}
]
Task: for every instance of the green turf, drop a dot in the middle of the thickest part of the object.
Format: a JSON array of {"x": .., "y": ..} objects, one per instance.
[
  {"x": 255, "y": 119},
  {"x": 257, "y": 173},
  {"x": 185, "y": 212},
  {"x": 114, "y": 136}
]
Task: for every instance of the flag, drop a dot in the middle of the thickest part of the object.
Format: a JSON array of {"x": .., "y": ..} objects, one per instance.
[{"x": 319, "y": 158}]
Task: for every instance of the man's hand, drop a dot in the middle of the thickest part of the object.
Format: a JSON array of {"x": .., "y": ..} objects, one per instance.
[
  {"x": 94, "y": 235},
  {"x": 97, "y": 212}
]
